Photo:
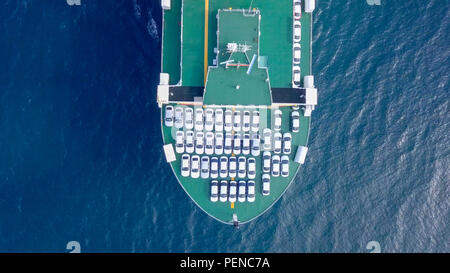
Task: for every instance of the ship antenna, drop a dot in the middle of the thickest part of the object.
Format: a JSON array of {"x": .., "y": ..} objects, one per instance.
[{"x": 249, "y": 8}]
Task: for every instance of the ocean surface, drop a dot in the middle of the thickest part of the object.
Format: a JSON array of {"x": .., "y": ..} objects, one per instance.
[{"x": 80, "y": 142}]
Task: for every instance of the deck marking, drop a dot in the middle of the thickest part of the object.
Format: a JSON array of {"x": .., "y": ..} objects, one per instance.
[
  {"x": 232, "y": 205},
  {"x": 205, "y": 64}
]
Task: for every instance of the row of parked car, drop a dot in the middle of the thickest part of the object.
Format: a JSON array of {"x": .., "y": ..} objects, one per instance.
[
  {"x": 275, "y": 165},
  {"x": 211, "y": 120},
  {"x": 241, "y": 191},
  {"x": 297, "y": 36},
  {"x": 241, "y": 167},
  {"x": 232, "y": 190},
  {"x": 215, "y": 143},
  {"x": 214, "y": 167}
]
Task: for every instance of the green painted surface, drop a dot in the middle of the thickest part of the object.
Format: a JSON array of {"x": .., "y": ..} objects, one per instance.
[
  {"x": 305, "y": 61},
  {"x": 171, "y": 53},
  {"x": 275, "y": 40},
  {"x": 192, "y": 72},
  {"x": 199, "y": 189},
  {"x": 222, "y": 83}
]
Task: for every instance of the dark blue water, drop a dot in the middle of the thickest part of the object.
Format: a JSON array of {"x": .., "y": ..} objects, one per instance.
[{"x": 80, "y": 142}]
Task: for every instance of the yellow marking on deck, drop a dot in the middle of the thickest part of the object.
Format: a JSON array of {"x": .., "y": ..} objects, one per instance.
[
  {"x": 232, "y": 205},
  {"x": 232, "y": 179},
  {"x": 205, "y": 64}
]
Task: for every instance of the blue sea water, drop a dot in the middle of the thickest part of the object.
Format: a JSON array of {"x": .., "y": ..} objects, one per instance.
[{"x": 80, "y": 141}]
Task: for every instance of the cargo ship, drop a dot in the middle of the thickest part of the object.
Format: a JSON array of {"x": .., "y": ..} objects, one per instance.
[{"x": 236, "y": 93}]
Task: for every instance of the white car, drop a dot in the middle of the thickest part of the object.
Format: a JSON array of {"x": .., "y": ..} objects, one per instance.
[
  {"x": 195, "y": 166},
  {"x": 297, "y": 31},
  {"x": 237, "y": 121},
  {"x": 198, "y": 119},
  {"x": 223, "y": 166},
  {"x": 297, "y": 9},
  {"x": 266, "y": 184},
  {"x": 246, "y": 144},
  {"x": 179, "y": 142},
  {"x": 218, "y": 120},
  {"x": 246, "y": 121},
  {"x": 214, "y": 173},
  {"x": 266, "y": 162},
  {"x": 228, "y": 124},
  {"x": 214, "y": 191},
  {"x": 223, "y": 191},
  {"x": 277, "y": 114},
  {"x": 209, "y": 143},
  {"x": 232, "y": 167},
  {"x": 199, "y": 143},
  {"x": 277, "y": 137},
  {"x": 209, "y": 119},
  {"x": 237, "y": 144},
  {"x": 295, "y": 121},
  {"x": 185, "y": 165},
  {"x": 232, "y": 191},
  {"x": 228, "y": 145},
  {"x": 285, "y": 166},
  {"x": 251, "y": 168},
  {"x": 251, "y": 191},
  {"x": 218, "y": 144},
  {"x": 256, "y": 149},
  {"x": 188, "y": 118},
  {"x": 267, "y": 139},
  {"x": 297, "y": 54},
  {"x": 204, "y": 167},
  {"x": 179, "y": 117},
  {"x": 242, "y": 166},
  {"x": 190, "y": 142},
  {"x": 287, "y": 143},
  {"x": 168, "y": 117},
  {"x": 276, "y": 165},
  {"x": 242, "y": 191},
  {"x": 296, "y": 76},
  {"x": 255, "y": 121}
]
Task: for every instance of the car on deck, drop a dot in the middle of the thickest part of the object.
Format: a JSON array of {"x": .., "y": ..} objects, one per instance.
[
  {"x": 266, "y": 184},
  {"x": 214, "y": 191},
  {"x": 251, "y": 191},
  {"x": 185, "y": 165},
  {"x": 204, "y": 167},
  {"x": 251, "y": 168},
  {"x": 168, "y": 117},
  {"x": 214, "y": 172},
  {"x": 179, "y": 142},
  {"x": 223, "y": 191},
  {"x": 195, "y": 166}
]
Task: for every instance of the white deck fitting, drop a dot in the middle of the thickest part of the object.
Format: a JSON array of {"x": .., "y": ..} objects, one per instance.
[
  {"x": 162, "y": 95},
  {"x": 310, "y": 5},
  {"x": 169, "y": 152},
  {"x": 308, "y": 81},
  {"x": 300, "y": 156},
  {"x": 165, "y": 4},
  {"x": 164, "y": 78},
  {"x": 311, "y": 96}
]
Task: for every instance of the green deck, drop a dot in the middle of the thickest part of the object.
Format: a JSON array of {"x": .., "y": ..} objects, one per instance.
[
  {"x": 275, "y": 46},
  {"x": 221, "y": 82},
  {"x": 276, "y": 39},
  {"x": 199, "y": 189}
]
